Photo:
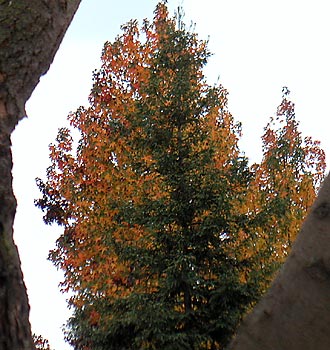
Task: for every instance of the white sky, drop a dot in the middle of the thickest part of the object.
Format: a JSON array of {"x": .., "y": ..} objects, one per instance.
[{"x": 258, "y": 45}]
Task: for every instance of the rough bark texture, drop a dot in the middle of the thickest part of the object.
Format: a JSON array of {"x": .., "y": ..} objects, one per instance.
[
  {"x": 30, "y": 34},
  {"x": 295, "y": 313}
]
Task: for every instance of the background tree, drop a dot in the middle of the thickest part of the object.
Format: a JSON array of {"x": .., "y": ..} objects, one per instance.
[
  {"x": 284, "y": 187},
  {"x": 30, "y": 34},
  {"x": 291, "y": 316},
  {"x": 148, "y": 199}
]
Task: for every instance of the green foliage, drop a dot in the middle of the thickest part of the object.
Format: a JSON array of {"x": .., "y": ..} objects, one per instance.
[
  {"x": 285, "y": 184},
  {"x": 165, "y": 139},
  {"x": 166, "y": 228}
]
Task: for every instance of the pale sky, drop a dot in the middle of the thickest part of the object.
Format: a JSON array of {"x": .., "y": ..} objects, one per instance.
[{"x": 258, "y": 45}]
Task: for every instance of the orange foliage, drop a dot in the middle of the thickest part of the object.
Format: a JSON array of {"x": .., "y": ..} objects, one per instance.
[
  {"x": 90, "y": 185},
  {"x": 41, "y": 343},
  {"x": 137, "y": 105},
  {"x": 284, "y": 185}
]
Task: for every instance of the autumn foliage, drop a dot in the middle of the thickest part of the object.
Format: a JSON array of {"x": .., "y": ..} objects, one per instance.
[
  {"x": 284, "y": 186},
  {"x": 40, "y": 342},
  {"x": 167, "y": 230}
]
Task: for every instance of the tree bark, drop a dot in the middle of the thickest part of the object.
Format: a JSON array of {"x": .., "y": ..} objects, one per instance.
[
  {"x": 295, "y": 313},
  {"x": 30, "y": 34}
]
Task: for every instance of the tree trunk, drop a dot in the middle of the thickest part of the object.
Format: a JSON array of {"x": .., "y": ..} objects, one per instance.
[
  {"x": 295, "y": 313},
  {"x": 30, "y": 34}
]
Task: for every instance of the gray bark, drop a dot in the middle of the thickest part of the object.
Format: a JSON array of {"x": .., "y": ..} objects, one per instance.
[
  {"x": 30, "y": 34},
  {"x": 295, "y": 313}
]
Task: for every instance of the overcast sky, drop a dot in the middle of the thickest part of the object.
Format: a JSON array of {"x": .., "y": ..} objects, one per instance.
[{"x": 259, "y": 46}]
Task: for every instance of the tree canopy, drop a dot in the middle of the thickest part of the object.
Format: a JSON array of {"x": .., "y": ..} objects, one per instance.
[{"x": 169, "y": 235}]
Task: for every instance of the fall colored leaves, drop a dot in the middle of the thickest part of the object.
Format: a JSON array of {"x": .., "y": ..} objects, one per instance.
[{"x": 163, "y": 218}]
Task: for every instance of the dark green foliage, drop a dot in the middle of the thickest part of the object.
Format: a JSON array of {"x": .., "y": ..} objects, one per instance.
[
  {"x": 198, "y": 295},
  {"x": 169, "y": 235}
]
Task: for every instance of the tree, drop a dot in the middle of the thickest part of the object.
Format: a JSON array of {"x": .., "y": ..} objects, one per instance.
[
  {"x": 292, "y": 315},
  {"x": 156, "y": 176},
  {"x": 148, "y": 199},
  {"x": 20, "y": 80},
  {"x": 284, "y": 188},
  {"x": 30, "y": 34}
]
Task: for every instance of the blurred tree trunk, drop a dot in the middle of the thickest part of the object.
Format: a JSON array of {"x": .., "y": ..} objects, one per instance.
[
  {"x": 295, "y": 313},
  {"x": 30, "y": 34}
]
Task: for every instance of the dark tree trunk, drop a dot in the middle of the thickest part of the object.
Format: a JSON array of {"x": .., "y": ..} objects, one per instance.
[
  {"x": 30, "y": 34},
  {"x": 295, "y": 313}
]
